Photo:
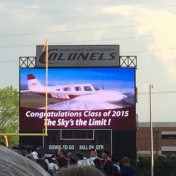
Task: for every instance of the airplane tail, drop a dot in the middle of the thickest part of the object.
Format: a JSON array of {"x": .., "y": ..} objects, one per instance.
[{"x": 33, "y": 83}]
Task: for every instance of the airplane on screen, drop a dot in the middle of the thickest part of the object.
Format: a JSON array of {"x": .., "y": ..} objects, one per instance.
[{"x": 76, "y": 96}]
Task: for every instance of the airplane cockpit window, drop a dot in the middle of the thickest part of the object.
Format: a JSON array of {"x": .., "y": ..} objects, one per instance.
[
  {"x": 66, "y": 89},
  {"x": 87, "y": 88},
  {"x": 57, "y": 89},
  {"x": 77, "y": 88},
  {"x": 96, "y": 88}
]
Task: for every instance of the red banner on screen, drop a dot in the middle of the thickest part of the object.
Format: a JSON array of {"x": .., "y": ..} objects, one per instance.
[{"x": 116, "y": 119}]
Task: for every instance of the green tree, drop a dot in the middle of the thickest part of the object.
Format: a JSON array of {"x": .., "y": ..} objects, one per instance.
[
  {"x": 9, "y": 113},
  {"x": 142, "y": 166},
  {"x": 163, "y": 166}
]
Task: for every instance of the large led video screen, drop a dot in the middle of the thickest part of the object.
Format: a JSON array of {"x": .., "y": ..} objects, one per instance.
[{"x": 96, "y": 98}]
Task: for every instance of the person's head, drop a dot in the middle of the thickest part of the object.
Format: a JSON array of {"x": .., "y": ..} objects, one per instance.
[
  {"x": 80, "y": 170},
  {"x": 115, "y": 159},
  {"x": 11, "y": 163},
  {"x": 61, "y": 152},
  {"x": 29, "y": 151},
  {"x": 105, "y": 154},
  {"x": 79, "y": 154},
  {"x": 73, "y": 158},
  {"x": 93, "y": 152},
  {"x": 125, "y": 161}
]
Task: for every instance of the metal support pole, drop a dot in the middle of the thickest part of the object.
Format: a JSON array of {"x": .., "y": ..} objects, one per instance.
[{"x": 151, "y": 133}]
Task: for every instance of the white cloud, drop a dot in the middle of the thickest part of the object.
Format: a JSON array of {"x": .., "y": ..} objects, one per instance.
[
  {"x": 123, "y": 10},
  {"x": 160, "y": 25},
  {"x": 31, "y": 7},
  {"x": 164, "y": 40},
  {"x": 145, "y": 88},
  {"x": 156, "y": 67},
  {"x": 171, "y": 71}
]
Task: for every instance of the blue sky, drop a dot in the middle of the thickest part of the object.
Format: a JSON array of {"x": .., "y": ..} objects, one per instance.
[{"x": 109, "y": 78}]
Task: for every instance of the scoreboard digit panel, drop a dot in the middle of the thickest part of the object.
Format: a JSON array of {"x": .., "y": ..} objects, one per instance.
[{"x": 80, "y": 140}]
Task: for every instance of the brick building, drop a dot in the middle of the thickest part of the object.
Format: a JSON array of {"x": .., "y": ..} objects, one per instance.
[{"x": 164, "y": 138}]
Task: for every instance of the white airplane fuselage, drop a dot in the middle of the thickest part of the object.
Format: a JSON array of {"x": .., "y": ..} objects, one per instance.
[{"x": 72, "y": 91}]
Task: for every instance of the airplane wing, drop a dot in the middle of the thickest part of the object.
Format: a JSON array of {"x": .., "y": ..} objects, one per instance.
[
  {"x": 82, "y": 105},
  {"x": 25, "y": 90},
  {"x": 100, "y": 101}
]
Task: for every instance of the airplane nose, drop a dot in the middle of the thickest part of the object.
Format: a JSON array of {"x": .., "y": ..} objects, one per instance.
[{"x": 119, "y": 96}]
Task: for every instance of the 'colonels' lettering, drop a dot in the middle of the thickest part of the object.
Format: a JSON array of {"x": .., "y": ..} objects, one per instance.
[{"x": 54, "y": 55}]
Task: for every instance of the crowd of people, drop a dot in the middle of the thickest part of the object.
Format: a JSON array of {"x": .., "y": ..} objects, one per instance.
[{"x": 61, "y": 163}]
